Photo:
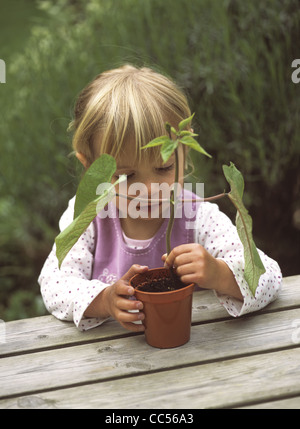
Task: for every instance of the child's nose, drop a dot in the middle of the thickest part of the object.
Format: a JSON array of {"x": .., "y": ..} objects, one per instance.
[{"x": 147, "y": 193}]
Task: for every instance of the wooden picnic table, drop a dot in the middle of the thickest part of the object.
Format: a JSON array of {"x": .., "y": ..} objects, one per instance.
[{"x": 248, "y": 362}]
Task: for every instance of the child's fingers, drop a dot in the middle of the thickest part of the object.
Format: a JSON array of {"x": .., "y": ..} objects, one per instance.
[
  {"x": 183, "y": 260},
  {"x": 122, "y": 304},
  {"x": 170, "y": 258},
  {"x": 125, "y": 304},
  {"x": 132, "y": 327},
  {"x": 126, "y": 310},
  {"x": 129, "y": 316},
  {"x": 178, "y": 252},
  {"x": 122, "y": 288}
]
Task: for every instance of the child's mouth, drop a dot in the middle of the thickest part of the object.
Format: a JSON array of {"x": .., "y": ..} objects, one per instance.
[{"x": 151, "y": 209}]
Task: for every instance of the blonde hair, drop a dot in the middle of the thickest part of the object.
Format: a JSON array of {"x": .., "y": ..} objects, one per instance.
[{"x": 126, "y": 106}]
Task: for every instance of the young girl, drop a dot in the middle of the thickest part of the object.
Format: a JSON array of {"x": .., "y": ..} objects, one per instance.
[{"x": 118, "y": 113}]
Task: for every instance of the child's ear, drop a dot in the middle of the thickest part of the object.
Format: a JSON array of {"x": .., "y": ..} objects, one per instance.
[{"x": 82, "y": 159}]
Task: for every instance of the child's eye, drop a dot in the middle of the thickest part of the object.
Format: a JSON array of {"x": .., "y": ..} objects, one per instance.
[
  {"x": 128, "y": 176},
  {"x": 165, "y": 169}
]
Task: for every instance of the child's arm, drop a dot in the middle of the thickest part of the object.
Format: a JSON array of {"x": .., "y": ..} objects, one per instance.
[
  {"x": 216, "y": 261},
  {"x": 69, "y": 293}
]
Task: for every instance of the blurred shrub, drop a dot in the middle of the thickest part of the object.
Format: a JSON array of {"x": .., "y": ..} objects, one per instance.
[{"x": 234, "y": 60}]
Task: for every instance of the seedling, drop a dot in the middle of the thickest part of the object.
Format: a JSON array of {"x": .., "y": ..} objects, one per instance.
[
  {"x": 102, "y": 170},
  {"x": 169, "y": 146}
]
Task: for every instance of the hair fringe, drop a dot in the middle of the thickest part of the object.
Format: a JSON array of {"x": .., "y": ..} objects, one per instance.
[{"x": 123, "y": 109}]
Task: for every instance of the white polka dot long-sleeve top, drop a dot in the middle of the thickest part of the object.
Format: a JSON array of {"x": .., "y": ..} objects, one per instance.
[{"x": 67, "y": 292}]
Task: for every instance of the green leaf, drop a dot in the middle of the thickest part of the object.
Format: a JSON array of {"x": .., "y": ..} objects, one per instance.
[
  {"x": 183, "y": 124},
  {"x": 69, "y": 236},
  {"x": 167, "y": 149},
  {"x": 158, "y": 141},
  {"x": 254, "y": 267},
  {"x": 187, "y": 133},
  {"x": 87, "y": 203},
  {"x": 100, "y": 171},
  {"x": 193, "y": 144}
]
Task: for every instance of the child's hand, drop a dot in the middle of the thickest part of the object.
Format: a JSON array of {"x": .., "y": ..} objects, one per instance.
[
  {"x": 113, "y": 301},
  {"x": 193, "y": 264}
]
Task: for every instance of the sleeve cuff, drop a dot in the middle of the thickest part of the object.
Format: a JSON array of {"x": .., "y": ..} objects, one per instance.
[{"x": 84, "y": 323}]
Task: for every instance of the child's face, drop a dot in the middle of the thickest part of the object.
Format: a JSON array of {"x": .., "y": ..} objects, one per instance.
[{"x": 147, "y": 183}]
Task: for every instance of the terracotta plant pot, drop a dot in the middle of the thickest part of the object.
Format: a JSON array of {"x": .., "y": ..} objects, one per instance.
[{"x": 167, "y": 314}]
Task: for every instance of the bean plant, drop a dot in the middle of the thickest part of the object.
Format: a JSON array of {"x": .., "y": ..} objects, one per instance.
[{"x": 102, "y": 170}]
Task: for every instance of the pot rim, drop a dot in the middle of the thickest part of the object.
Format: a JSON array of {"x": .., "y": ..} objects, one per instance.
[
  {"x": 162, "y": 294},
  {"x": 171, "y": 292}
]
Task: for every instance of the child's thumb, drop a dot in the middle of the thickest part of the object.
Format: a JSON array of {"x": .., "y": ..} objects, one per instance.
[{"x": 133, "y": 270}]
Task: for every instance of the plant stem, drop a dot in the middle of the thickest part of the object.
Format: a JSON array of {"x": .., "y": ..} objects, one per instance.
[
  {"x": 161, "y": 200},
  {"x": 173, "y": 200}
]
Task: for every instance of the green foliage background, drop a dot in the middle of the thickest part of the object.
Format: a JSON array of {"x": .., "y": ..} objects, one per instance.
[{"x": 232, "y": 57}]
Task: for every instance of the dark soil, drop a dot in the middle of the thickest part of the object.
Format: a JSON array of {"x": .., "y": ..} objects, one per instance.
[{"x": 165, "y": 284}]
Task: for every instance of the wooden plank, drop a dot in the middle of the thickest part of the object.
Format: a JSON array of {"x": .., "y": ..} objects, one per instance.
[
  {"x": 42, "y": 333},
  {"x": 224, "y": 384},
  {"x": 281, "y": 404},
  {"x": 47, "y": 332},
  {"x": 115, "y": 358},
  {"x": 289, "y": 296}
]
